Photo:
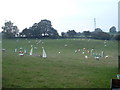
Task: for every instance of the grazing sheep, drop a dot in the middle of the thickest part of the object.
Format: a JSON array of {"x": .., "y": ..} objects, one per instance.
[
  {"x": 97, "y": 58},
  {"x": 75, "y": 51},
  {"x": 35, "y": 47},
  {"x": 88, "y": 51},
  {"x": 83, "y": 52},
  {"x": 84, "y": 48},
  {"x": 86, "y": 57},
  {"x": 20, "y": 48},
  {"x": 106, "y": 57},
  {"x": 79, "y": 50},
  {"x": 65, "y": 45},
  {"x": 3, "y": 50}
]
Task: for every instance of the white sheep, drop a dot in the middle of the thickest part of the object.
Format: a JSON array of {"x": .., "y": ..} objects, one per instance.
[
  {"x": 106, "y": 57},
  {"x": 86, "y": 57},
  {"x": 97, "y": 58},
  {"x": 75, "y": 51},
  {"x": 83, "y": 52}
]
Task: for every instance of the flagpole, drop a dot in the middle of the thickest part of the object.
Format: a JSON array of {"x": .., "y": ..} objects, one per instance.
[{"x": 94, "y": 23}]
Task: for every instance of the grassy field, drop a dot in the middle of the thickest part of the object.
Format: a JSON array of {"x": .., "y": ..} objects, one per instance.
[{"x": 59, "y": 70}]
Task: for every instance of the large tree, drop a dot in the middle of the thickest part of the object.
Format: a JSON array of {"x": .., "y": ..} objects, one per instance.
[
  {"x": 41, "y": 29},
  {"x": 117, "y": 37},
  {"x": 71, "y": 33},
  {"x": 87, "y": 33},
  {"x": 97, "y": 30},
  {"x": 63, "y": 34},
  {"x": 100, "y": 35},
  {"x": 9, "y": 30},
  {"x": 53, "y": 33},
  {"x": 113, "y": 30},
  {"x": 45, "y": 26},
  {"x": 26, "y": 32}
]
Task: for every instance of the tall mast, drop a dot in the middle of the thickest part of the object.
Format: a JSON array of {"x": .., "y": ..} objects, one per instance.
[{"x": 94, "y": 23}]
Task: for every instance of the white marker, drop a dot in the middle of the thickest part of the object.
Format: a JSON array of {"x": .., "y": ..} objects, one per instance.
[
  {"x": 86, "y": 57},
  {"x": 44, "y": 55},
  {"x": 31, "y": 51}
]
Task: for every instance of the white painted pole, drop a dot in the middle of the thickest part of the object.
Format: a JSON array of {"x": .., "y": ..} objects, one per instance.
[{"x": 44, "y": 55}]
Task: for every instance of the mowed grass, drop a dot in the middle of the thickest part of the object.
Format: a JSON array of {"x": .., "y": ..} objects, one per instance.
[{"x": 65, "y": 70}]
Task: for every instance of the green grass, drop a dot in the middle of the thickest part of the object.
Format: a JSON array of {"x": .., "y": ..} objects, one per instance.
[{"x": 65, "y": 70}]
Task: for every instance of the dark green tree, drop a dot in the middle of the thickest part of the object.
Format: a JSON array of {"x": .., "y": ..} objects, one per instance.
[
  {"x": 9, "y": 30},
  {"x": 63, "y": 34},
  {"x": 36, "y": 31},
  {"x": 41, "y": 29},
  {"x": 87, "y": 33},
  {"x": 53, "y": 33},
  {"x": 44, "y": 26},
  {"x": 78, "y": 34},
  {"x": 71, "y": 33},
  {"x": 113, "y": 30},
  {"x": 100, "y": 35},
  {"x": 117, "y": 37},
  {"x": 97, "y": 30},
  {"x": 26, "y": 32}
]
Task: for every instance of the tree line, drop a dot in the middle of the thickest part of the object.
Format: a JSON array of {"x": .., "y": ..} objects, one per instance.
[
  {"x": 96, "y": 34},
  {"x": 37, "y": 30},
  {"x": 44, "y": 29}
]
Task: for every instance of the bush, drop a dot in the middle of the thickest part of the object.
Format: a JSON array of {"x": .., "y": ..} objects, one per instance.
[
  {"x": 117, "y": 37},
  {"x": 100, "y": 35}
]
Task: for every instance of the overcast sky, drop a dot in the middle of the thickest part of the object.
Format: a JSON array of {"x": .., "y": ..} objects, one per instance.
[{"x": 64, "y": 14}]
